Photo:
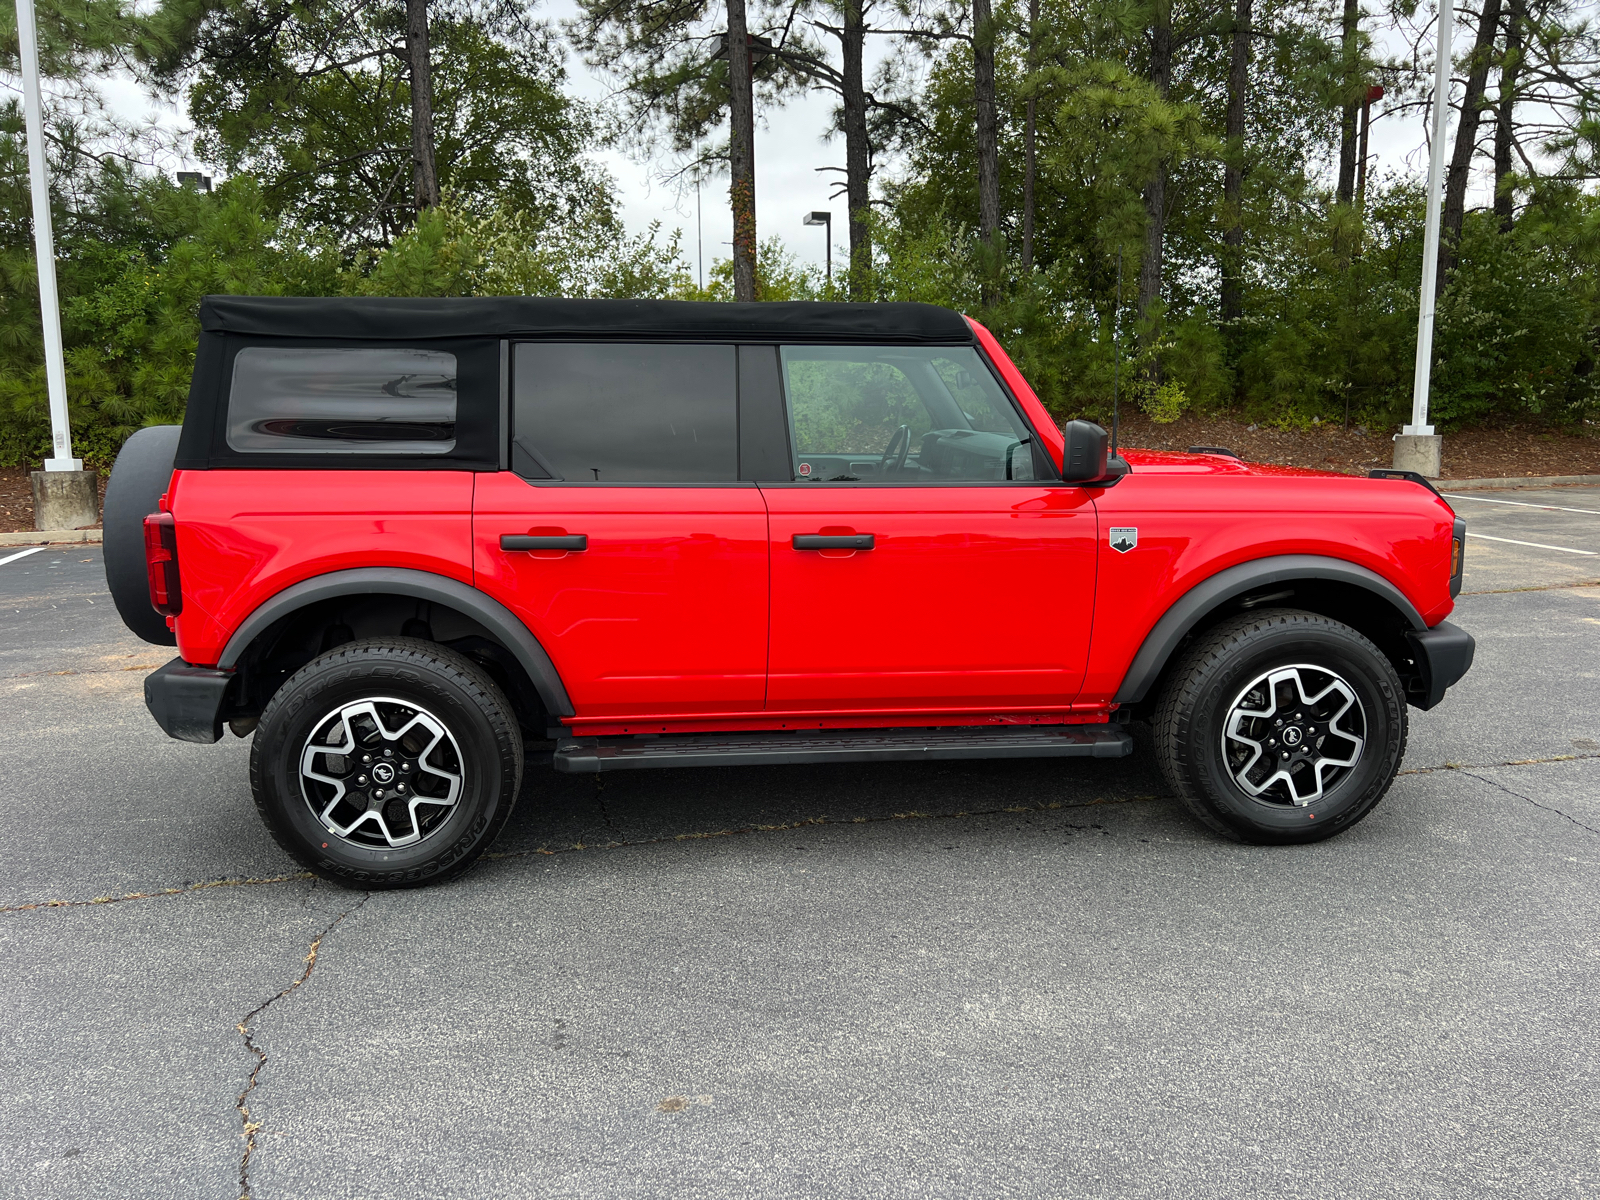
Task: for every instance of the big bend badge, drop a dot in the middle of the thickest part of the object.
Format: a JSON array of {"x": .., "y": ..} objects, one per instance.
[{"x": 1123, "y": 540}]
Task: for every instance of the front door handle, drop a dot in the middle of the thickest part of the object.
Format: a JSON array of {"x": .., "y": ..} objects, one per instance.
[
  {"x": 521, "y": 541},
  {"x": 831, "y": 541}
]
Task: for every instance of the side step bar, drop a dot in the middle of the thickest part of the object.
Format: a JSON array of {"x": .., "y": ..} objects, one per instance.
[{"x": 586, "y": 756}]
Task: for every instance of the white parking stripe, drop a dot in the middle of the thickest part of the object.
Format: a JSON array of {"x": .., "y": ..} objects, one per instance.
[
  {"x": 1593, "y": 512},
  {"x": 22, "y": 554},
  {"x": 1536, "y": 545}
]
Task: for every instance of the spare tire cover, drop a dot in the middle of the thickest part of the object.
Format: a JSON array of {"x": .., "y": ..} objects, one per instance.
[{"x": 141, "y": 474}]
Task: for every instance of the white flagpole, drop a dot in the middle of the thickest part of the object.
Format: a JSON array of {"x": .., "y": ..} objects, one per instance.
[
  {"x": 1430, "y": 241},
  {"x": 44, "y": 246}
]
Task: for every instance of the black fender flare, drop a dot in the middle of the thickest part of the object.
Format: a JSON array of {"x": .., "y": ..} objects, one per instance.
[
  {"x": 421, "y": 585},
  {"x": 1190, "y": 608}
]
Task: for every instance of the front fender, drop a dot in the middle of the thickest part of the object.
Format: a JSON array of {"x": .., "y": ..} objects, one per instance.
[{"x": 1205, "y": 597}]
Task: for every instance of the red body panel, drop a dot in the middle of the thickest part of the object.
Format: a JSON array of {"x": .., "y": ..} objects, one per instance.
[
  {"x": 665, "y": 614},
  {"x": 974, "y": 598},
  {"x": 244, "y": 536},
  {"x": 1200, "y": 514}
]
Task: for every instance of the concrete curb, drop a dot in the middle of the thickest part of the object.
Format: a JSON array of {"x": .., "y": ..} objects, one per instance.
[
  {"x": 1517, "y": 481},
  {"x": 45, "y": 537}
]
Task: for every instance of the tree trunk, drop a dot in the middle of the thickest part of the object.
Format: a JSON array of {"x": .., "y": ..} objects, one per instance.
[
  {"x": 741, "y": 153},
  {"x": 1460, "y": 169},
  {"x": 1505, "y": 206},
  {"x": 427, "y": 178},
  {"x": 1349, "y": 54},
  {"x": 857, "y": 147},
  {"x": 1233, "y": 167},
  {"x": 1029, "y": 151},
  {"x": 983, "y": 38},
  {"x": 1155, "y": 192}
]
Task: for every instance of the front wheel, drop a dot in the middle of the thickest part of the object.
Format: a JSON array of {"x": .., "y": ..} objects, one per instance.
[
  {"x": 386, "y": 763},
  {"x": 1281, "y": 727}
]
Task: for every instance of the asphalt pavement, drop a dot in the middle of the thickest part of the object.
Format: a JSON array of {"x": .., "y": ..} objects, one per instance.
[{"x": 930, "y": 980}]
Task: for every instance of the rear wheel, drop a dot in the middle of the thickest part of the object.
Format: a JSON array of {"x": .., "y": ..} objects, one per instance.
[
  {"x": 1282, "y": 727},
  {"x": 385, "y": 763}
]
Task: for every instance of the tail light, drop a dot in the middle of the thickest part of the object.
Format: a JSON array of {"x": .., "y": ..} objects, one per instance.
[
  {"x": 1458, "y": 555},
  {"x": 161, "y": 561}
]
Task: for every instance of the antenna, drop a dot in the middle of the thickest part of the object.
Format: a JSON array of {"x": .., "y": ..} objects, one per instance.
[{"x": 1116, "y": 354}]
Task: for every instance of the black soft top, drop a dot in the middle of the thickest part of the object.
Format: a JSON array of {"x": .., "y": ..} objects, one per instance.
[{"x": 411, "y": 318}]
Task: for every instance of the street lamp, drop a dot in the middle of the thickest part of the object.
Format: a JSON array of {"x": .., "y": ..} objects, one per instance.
[
  {"x": 824, "y": 219},
  {"x": 1417, "y": 446}
]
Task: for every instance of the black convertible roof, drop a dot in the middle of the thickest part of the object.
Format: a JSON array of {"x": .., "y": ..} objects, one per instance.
[{"x": 409, "y": 318}]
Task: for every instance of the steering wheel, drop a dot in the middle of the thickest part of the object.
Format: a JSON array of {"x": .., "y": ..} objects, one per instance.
[{"x": 901, "y": 438}]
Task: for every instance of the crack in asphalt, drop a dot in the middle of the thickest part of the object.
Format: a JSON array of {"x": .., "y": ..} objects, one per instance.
[
  {"x": 251, "y": 1128},
  {"x": 742, "y": 830},
  {"x": 171, "y": 891},
  {"x": 1536, "y": 587},
  {"x": 1530, "y": 799},
  {"x": 83, "y": 671},
  {"x": 600, "y": 799},
  {"x": 1514, "y": 762}
]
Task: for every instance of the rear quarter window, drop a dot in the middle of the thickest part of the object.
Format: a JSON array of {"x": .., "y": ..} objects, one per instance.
[{"x": 382, "y": 401}]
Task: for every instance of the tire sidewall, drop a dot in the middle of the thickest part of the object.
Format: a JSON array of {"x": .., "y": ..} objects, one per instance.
[
  {"x": 326, "y": 684},
  {"x": 1369, "y": 675}
]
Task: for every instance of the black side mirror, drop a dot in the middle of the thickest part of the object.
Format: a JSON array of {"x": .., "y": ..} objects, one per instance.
[{"x": 1083, "y": 460}]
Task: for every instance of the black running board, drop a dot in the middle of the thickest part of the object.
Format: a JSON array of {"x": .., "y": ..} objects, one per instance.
[{"x": 586, "y": 756}]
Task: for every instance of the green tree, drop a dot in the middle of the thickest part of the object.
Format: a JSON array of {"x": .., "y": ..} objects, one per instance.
[{"x": 314, "y": 101}]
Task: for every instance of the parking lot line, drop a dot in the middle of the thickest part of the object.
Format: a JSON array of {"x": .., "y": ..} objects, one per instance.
[
  {"x": 1593, "y": 512},
  {"x": 1536, "y": 545},
  {"x": 22, "y": 554}
]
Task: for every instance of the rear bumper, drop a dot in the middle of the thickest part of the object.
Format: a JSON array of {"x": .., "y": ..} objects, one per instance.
[
  {"x": 187, "y": 701},
  {"x": 1443, "y": 655}
]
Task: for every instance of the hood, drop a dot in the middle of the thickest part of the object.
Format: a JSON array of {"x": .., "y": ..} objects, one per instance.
[{"x": 1171, "y": 462}]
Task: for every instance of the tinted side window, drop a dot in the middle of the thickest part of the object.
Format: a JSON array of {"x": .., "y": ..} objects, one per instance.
[
  {"x": 625, "y": 413},
  {"x": 300, "y": 400},
  {"x": 901, "y": 415}
]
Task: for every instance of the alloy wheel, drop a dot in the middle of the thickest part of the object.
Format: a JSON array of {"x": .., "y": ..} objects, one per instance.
[
  {"x": 1293, "y": 733},
  {"x": 381, "y": 772}
]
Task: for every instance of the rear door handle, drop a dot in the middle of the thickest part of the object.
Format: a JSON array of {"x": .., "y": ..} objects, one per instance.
[
  {"x": 520, "y": 541},
  {"x": 830, "y": 541}
]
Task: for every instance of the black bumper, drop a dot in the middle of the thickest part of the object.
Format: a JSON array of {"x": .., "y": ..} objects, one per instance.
[
  {"x": 1443, "y": 655},
  {"x": 187, "y": 701}
]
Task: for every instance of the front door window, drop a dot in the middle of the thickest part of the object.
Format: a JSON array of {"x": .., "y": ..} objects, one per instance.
[{"x": 905, "y": 415}]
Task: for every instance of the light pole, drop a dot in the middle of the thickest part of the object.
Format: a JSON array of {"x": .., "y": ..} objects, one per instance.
[
  {"x": 824, "y": 219},
  {"x": 64, "y": 495},
  {"x": 1417, "y": 447}
]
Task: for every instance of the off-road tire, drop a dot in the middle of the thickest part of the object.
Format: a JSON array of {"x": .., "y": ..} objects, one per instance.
[
  {"x": 453, "y": 690},
  {"x": 143, "y": 471},
  {"x": 1190, "y": 717}
]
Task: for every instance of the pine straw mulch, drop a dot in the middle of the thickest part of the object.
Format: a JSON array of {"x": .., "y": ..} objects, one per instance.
[{"x": 1475, "y": 454}]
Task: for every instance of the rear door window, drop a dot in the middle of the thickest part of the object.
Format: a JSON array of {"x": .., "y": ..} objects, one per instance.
[
  {"x": 342, "y": 400},
  {"x": 587, "y": 412},
  {"x": 901, "y": 415}
]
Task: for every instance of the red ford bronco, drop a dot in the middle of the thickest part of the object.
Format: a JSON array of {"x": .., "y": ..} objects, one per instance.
[{"x": 394, "y": 539}]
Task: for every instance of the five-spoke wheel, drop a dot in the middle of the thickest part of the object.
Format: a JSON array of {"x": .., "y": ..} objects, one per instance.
[
  {"x": 1292, "y": 733},
  {"x": 381, "y": 772}
]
